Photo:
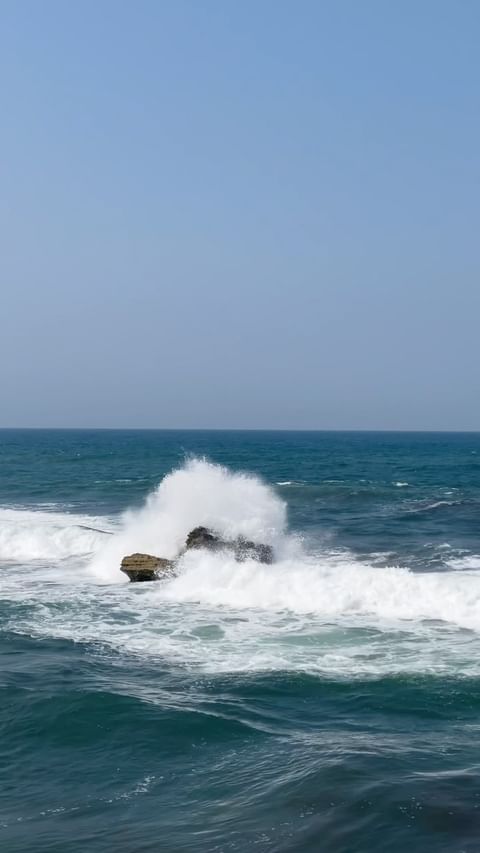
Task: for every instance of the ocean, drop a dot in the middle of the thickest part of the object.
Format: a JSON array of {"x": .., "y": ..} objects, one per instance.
[{"x": 327, "y": 702}]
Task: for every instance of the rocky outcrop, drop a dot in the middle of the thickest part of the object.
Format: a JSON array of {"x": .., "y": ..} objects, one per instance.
[
  {"x": 243, "y": 549},
  {"x": 202, "y": 537},
  {"x": 246, "y": 550},
  {"x": 145, "y": 567}
]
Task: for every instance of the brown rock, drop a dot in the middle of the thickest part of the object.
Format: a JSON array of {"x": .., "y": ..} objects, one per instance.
[{"x": 146, "y": 567}]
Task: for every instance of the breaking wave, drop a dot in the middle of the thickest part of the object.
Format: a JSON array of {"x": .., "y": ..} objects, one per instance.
[
  {"x": 308, "y": 610},
  {"x": 200, "y": 493}
]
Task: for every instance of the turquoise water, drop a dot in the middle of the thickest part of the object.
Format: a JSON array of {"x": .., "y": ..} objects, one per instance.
[{"x": 328, "y": 702}]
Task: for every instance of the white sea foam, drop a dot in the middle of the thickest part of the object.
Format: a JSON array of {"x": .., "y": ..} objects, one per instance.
[
  {"x": 38, "y": 535},
  {"x": 330, "y": 588},
  {"x": 469, "y": 561},
  {"x": 324, "y": 612}
]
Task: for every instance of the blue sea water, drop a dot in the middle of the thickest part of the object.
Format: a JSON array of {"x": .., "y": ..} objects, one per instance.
[{"x": 329, "y": 702}]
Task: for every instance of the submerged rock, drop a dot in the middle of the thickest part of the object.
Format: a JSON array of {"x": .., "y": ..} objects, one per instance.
[
  {"x": 243, "y": 549},
  {"x": 146, "y": 567}
]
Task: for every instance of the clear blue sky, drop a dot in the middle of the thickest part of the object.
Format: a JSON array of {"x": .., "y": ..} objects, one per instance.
[{"x": 240, "y": 214}]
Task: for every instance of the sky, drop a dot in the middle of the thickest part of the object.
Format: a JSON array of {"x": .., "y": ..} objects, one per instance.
[{"x": 256, "y": 214}]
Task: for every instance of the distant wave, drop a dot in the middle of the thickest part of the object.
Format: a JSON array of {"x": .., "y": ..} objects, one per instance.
[{"x": 440, "y": 504}]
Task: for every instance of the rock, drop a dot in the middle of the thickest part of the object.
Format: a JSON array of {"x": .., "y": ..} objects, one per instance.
[
  {"x": 243, "y": 549},
  {"x": 201, "y": 537},
  {"x": 145, "y": 567}
]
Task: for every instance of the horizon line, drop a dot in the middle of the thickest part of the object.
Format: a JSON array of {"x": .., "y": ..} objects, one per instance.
[{"x": 237, "y": 429}]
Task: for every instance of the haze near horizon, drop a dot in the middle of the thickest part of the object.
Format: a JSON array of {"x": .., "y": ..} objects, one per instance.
[{"x": 256, "y": 215}]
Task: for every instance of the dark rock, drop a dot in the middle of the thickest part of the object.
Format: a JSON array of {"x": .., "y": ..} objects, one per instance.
[
  {"x": 145, "y": 567},
  {"x": 243, "y": 549},
  {"x": 201, "y": 537},
  {"x": 246, "y": 550}
]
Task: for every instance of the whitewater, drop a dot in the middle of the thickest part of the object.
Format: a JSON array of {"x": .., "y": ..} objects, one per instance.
[{"x": 317, "y": 609}]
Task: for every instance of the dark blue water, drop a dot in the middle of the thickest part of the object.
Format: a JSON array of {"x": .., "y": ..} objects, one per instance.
[{"x": 328, "y": 702}]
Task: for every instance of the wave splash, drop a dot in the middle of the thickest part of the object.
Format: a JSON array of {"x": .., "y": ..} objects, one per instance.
[{"x": 200, "y": 493}]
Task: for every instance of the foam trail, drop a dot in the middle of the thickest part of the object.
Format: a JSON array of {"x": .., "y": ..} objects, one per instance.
[{"x": 200, "y": 493}]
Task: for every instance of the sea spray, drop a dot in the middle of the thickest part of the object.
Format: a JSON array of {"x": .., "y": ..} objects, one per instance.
[{"x": 200, "y": 493}]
